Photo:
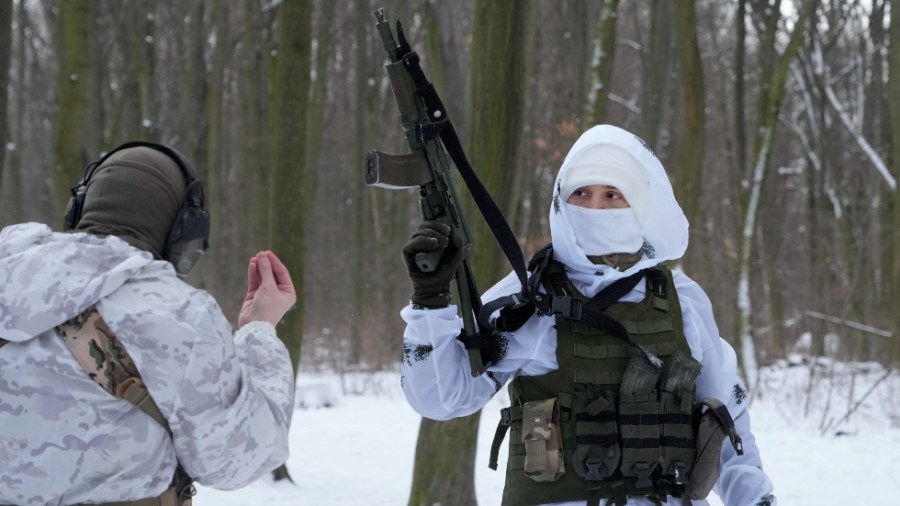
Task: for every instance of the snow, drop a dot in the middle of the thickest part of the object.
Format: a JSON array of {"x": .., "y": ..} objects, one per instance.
[{"x": 353, "y": 440}]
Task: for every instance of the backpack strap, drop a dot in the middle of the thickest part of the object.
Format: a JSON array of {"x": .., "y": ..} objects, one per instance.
[{"x": 100, "y": 353}]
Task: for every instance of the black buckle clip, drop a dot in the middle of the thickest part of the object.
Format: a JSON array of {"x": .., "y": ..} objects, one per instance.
[
  {"x": 567, "y": 307},
  {"x": 594, "y": 470},
  {"x": 643, "y": 475},
  {"x": 505, "y": 417}
]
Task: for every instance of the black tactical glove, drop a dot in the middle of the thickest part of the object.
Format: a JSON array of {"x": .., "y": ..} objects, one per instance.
[{"x": 432, "y": 289}]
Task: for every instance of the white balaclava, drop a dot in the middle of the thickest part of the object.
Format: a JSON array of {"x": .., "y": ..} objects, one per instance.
[{"x": 654, "y": 223}]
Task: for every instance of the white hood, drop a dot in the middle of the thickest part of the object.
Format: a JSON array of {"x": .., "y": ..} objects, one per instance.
[
  {"x": 48, "y": 277},
  {"x": 663, "y": 224}
]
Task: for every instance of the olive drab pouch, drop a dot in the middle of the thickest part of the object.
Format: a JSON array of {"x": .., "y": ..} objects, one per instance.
[
  {"x": 676, "y": 402},
  {"x": 597, "y": 451},
  {"x": 638, "y": 421},
  {"x": 543, "y": 440},
  {"x": 714, "y": 424}
]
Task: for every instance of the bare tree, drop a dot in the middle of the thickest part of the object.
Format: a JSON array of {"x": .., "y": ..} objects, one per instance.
[
  {"x": 770, "y": 105},
  {"x": 894, "y": 220}
]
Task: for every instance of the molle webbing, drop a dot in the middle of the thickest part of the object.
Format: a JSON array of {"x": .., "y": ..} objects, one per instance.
[{"x": 625, "y": 418}]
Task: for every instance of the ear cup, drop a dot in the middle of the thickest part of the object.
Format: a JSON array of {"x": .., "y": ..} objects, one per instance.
[
  {"x": 188, "y": 238},
  {"x": 75, "y": 207}
]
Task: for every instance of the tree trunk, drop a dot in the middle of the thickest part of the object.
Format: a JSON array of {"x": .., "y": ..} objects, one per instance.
[
  {"x": 291, "y": 178},
  {"x": 740, "y": 117},
  {"x": 253, "y": 153},
  {"x": 71, "y": 153},
  {"x": 222, "y": 236},
  {"x": 14, "y": 203},
  {"x": 6, "y": 17},
  {"x": 604, "y": 51},
  {"x": 894, "y": 218},
  {"x": 656, "y": 70},
  {"x": 690, "y": 152}
]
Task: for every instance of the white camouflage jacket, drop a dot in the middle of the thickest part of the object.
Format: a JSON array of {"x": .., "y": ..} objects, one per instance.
[
  {"x": 64, "y": 440},
  {"x": 436, "y": 375}
]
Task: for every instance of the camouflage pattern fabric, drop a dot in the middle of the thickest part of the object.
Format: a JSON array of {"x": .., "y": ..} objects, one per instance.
[
  {"x": 98, "y": 351},
  {"x": 228, "y": 398}
]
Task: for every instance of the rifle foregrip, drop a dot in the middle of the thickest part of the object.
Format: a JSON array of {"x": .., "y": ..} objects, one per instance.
[{"x": 427, "y": 261}]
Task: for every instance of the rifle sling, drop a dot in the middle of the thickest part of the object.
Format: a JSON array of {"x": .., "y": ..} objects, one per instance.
[{"x": 486, "y": 205}]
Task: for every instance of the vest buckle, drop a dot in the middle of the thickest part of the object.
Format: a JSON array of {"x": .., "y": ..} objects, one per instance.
[
  {"x": 565, "y": 306},
  {"x": 643, "y": 474},
  {"x": 594, "y": 469}
]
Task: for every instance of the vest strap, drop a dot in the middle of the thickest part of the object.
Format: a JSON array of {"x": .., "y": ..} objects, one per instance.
[{"x": 499, "y": 435}]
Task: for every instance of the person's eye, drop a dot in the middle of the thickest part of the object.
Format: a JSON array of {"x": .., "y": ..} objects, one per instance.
[{"x": 613, "y": 195}]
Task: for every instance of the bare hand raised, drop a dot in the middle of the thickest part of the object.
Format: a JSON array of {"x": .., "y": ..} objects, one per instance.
[{"x": 270, "y": 291}]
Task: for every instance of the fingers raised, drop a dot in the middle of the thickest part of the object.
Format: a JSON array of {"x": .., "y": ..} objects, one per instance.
[
  {"x": 279, "y": 270},
  {"x": 253, "y": 279}
]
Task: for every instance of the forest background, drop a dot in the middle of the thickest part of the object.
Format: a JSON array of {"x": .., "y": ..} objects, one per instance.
[{"x": 778, "y": 122}]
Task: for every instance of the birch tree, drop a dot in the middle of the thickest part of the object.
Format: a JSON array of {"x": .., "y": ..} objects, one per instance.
[
  {"x": 602, "y": 58},
  {"x": 769, "y": 107}
]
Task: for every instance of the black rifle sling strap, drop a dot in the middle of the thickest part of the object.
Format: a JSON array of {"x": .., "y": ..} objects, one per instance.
[{"x": 444, "y": 129}]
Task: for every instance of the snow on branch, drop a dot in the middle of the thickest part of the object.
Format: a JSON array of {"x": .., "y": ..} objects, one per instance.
[{"x": 866, "y": 147}]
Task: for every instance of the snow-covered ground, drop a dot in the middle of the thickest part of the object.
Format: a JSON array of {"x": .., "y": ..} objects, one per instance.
[{"x": 353, "y": 439}]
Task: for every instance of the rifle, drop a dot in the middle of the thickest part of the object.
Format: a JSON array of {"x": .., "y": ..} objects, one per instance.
[{"x": 428, "y": 132}]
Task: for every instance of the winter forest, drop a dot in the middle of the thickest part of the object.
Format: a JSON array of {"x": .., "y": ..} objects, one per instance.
[{"x": 777, "y": 121}]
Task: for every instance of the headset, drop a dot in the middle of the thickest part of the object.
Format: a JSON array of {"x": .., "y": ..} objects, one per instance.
[{"x": 188, "y": 235}]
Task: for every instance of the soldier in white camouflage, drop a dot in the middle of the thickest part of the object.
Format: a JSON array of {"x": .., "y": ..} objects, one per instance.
[{"x": 86, "y": 315}]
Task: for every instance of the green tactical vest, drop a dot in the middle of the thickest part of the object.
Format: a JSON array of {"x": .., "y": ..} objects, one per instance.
[{"x": 607, "y": 423}]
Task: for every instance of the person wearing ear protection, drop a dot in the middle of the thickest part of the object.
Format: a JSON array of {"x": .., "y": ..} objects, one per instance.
[
  {"x": 621, "y": 389},
  {"x": 120, "y": 383}
]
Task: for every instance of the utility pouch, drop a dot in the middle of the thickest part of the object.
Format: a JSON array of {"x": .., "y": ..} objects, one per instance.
[
  {"x": 543, "y": 440},
  {"x": 597, "y": 451},
  {"x": 639, "y": 421},
  {"x": 714, "y": 425},
  {"x": 676, "y": 401}
]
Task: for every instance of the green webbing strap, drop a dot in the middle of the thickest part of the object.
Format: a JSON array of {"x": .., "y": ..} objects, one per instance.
[{"x": 137, "y": 394}]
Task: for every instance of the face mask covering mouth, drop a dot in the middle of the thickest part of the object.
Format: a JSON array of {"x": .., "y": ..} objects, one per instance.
[{"x": 605, "y": 231}]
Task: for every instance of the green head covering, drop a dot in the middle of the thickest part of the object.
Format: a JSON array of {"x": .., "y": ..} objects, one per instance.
[{"x": 134, "y": 195}]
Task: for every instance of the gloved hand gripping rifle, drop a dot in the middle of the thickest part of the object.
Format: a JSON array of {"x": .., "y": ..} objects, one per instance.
[{"x": 428, "y": 131}]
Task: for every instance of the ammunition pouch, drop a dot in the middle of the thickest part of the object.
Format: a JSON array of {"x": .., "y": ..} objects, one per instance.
[
  {"x": 543, "y": 440},
  {"x": 597, "y": 451}
]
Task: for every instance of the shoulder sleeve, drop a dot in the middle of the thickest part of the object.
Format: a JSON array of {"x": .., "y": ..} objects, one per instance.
[
  {"x": 435, "y": 372},
  {"x": 228, "y": 398},
  {"x": 742, "y": 481}
]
